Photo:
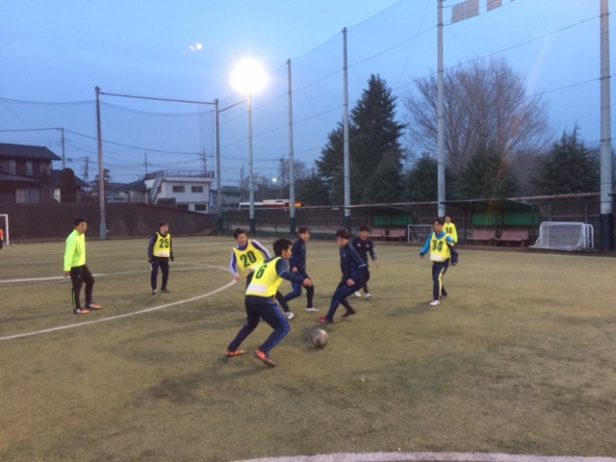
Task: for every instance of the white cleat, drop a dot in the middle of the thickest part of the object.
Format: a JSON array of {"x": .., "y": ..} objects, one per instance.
[
  {"x": 368, "y": 295},
  {"x": 290, "y": 315},
  {"x": 435, "y": 303},
  {"x": 358, "y": 294},
  {"x": 312, "y": 309}
]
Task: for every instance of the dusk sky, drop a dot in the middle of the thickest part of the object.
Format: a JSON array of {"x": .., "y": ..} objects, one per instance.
[{"x": 58, "y": 51}]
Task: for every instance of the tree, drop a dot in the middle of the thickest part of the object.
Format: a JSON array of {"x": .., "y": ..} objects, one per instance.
[
  {"x": 420, "y": 183},
  {"x": 486, "y": 106},
  {"x": 374, "y": 135},
  {"x": 570, "y": 167},
  {"x": 488, "y": 174},
  {"x": 106, "y": 180},
  {"x": 385, "y": 184},
  {"x": 312, "y": 190},
  {"x": 68, "y": 186}
]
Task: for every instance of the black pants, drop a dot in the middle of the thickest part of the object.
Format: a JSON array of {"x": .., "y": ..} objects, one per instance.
[
  {"x": 279, "y": 297},
  {"x": 367, "y": 278},
  {"x": 297, "y": 291},
  {"x": 81, "y": 275},
  {"x": 439, "y": 268},
  {"x": 163, "y": 263}
]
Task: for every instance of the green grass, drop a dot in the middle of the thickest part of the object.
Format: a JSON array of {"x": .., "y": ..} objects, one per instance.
[{"x": 519, "y": 359}]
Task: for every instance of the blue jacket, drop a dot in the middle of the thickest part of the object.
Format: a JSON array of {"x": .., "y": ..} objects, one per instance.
[
  {"x": 426, "y": 247},
  {"x": 351, "y": 264},
  {"x": 298, "y": 257}
]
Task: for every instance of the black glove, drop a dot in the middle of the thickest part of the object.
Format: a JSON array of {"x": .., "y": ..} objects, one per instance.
[
  {"x": 149, "y": 260},
  {"x": 172, "y": 259}
]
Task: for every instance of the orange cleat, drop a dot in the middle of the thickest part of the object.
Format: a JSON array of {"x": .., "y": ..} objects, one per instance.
[
  {"x": 263, "y": 357},
  {"x": 233, "y": 354}
]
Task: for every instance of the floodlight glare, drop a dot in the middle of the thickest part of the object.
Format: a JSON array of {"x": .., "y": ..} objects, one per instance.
[{"x": 248, "y": 77}]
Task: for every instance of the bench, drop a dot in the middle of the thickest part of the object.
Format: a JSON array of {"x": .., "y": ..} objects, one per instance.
[
  {"x": 481, "y": 236},
  {"x": 514, "y": 236},
  {"x": 377, "y": 233},
  {"x": 396, "y": 234}
]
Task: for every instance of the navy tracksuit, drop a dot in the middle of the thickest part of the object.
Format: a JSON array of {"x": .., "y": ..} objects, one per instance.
[
  {"x": 364, "y": 248},
  {"x": 352, "y": 267},
  {"x": 298, "y": 260}
]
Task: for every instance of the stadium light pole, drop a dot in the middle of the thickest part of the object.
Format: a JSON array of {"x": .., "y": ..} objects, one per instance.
[
  {"x": 249, "y": 77},
  {"x": 345, "y": 124},
  {"x": 440, "y": 123}
]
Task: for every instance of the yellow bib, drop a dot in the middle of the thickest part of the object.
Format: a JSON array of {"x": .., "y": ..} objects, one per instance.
[
  {"x": 162, "y": 246},
  {"x": 439, "y": 250},
  {"x": 450, "y": 229},
  {"x": 266, "y": 281},
  {"x": 249, "y": 259}
]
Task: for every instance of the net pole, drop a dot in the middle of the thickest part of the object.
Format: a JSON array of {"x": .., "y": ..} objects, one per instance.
[
  {"x": 251, "y": 191},
  {"x": 347, "y": 150},
  {"x": 219, "y": 223},
  {"x": 440, "y": 128},
  {"x": 101, "y": 170},
  {"x": 291, "y": 154}
]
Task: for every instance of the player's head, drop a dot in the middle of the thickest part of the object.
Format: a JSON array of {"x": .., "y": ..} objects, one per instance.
[
  {"x": 304, "y": 233},
  {"x": 438, "y": 224},
  {"x": 364, "y": 232},
  {"x": 240, "y": 236},
  {"x": 342, "y": 237},
  {"x": 282, "y": 248},
  {"x": 80, "y": 224},
  {"x": 447, "y": 219},
  {"x": 163, "y": 228}
]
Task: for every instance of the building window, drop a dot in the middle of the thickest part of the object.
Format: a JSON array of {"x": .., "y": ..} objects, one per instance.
[
  {"x": 197, "y": 189},
  {"x": 29, "y": 168},
  {"x": 182, "y": 206},
  {"x": 200, "y": 207},
  {"x": 8, "y": 166},
  {"x": 178, "y": 189}
]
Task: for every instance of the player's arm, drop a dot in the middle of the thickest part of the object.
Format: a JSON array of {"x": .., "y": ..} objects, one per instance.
[
  {"x": 454, "y": 233},
  {"x": 233, "y": 267},
  {"x": 426, "y": 247},
  {"x": 282, "y": 268},
  {"x": 151, "y": 247},
  {"x": 450, "y": 240},
  {"x": 71, "y": 245},
  {"x": 171, "y": 248},
  {"x": 261, "y": 249}
]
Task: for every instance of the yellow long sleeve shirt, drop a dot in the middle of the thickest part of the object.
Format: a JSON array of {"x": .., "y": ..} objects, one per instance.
[{"x": 75, "y": 253}]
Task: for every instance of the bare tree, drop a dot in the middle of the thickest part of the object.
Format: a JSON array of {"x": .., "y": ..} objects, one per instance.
[{"x": 486, "y": 104}]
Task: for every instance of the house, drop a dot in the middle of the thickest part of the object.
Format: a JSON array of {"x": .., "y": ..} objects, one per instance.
[
  {"x": 80, "y": 185},
  {"x": 25, "y": 173},
  {"x": 134, "y": 192},
  {"x": 182, "y": 189},
  {"x": 230, "y": 197}
]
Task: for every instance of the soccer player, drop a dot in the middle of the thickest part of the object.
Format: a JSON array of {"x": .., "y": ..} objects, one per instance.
[
  {"x": 160, "y": 251},
  {"x": 298, "y": 267},
  {"x": 353, "y": 273},
  {"x": 364, "y": 247},
  {"x": 438, "y": 244},
  {"x": 246, "y": 256},
  {"x": 1, "y": 238},
  {"x": 450, "y": 228},
  {"x": 259, "y": 302},
  {"x": 75, "y": 267}
]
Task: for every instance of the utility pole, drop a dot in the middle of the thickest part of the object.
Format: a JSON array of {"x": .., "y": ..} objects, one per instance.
[
  {"x": 219, "y": 220},
  {"x": 63, "y": 150},
  {"x": 242, "y": 183},
  {"x": 607, "y": 213},
  {"x": 145, "y": 156},
  {"x": 86, "y": 178},
  {"x": 345, "y": 121},
  {"x": 440, "y": 125},
  {"x": 101, "y": 169},
  {"x": 204, "y": 164},
  {"x": 291, "y": 154}
]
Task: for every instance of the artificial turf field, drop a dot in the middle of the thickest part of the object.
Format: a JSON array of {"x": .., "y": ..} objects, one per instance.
[{"x": 520, "y": 359}]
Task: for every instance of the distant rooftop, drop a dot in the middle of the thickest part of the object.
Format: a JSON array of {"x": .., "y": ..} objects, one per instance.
[
  {"x": 26, "y": 151},
  {"x": 179, "y": 173}
]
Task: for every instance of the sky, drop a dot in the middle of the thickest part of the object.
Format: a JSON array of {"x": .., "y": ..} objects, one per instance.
[{"x": 58, "y": 51}]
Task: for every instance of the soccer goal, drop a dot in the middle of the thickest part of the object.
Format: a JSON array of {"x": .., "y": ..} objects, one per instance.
[
  {"x": 418, "y": 233},
  {"x": 4, "y": 225},
  {"x": 565, "y": 236}
]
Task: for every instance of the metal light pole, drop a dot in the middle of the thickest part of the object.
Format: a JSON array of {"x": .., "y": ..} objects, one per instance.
[
  {"x": 440, "y": 125},
  {"x": 607, "y": 215},
  {"x": 291, "y": 156},
  {"x": 251, "y": 192},
  {"x": 101, "y": 170},
  {"x": 345, "y": 121},
  {"x": 219, "y": 220}
]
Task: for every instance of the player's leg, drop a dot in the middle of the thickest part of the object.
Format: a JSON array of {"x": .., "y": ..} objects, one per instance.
[
  {"x": 77, "y": 284},
  {"x": 442, "y": 279},
  {"x": 88, "y": 280},
  {"x": 281, "y": 301},
  {"x": 277, "y": 321},
  {"x": 366, "y": 290},
  {"x": 252, "y": 321},
  {"x": 295, "y": 292},
  {"x": 436, "y": 283},
  {"x": 164, "y": 267},
  {"x": 154, "y": 275},
  {"x": 341, "y": 293}
]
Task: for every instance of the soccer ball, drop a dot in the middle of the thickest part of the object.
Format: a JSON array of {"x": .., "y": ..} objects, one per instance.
[{"x": 319, "y": 338}]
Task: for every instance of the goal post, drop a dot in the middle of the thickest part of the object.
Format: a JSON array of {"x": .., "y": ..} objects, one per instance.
[
  {"x": 418, "y": 233},
  {"x": 570, "y": 236},
  {"x": 4, "y": 224}
]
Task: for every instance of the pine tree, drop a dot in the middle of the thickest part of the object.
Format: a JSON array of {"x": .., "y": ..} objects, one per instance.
[
  {"x": 488, "y": 174},
  {"x": 385, "y": 183}
]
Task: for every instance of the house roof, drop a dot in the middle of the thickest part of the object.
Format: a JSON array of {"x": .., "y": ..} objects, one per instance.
[
  {"x": 16, "y": 179},
  {"x": 25, "y": 151},
  {"x": 138, "y": 185},
  {"x": 56, "y": 179}
]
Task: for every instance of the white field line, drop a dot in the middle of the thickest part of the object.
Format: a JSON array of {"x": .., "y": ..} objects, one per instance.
[
  {"x": 429, "y": 456},
  {"x": 120, "y": 316}
]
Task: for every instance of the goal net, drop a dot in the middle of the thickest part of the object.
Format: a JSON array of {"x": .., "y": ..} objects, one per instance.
[
  {"x": 418, "y": 233},
  {"x": 4, "y": 226},
  {"x": 565, "y": 236}
]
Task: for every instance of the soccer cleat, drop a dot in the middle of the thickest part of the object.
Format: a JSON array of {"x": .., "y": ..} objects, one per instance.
[
  {"x": 81, "y": 311},
  {"x": 368, "y": 295},
  {"x": 349, "y": 312},
  {"x": 233, "y": 354},
  {"x": 290, "y": 315},
  {"x": 312, "y": 309},
  {"x": 358, "y": 294},
  {"x": 435, "y": 302},
  {"x": 261, "y": 356},
  {"x": 154, "y": 291},
  {"x": 165, "y": 291},
  {"x": 324, "y": 320},
  {"x": 94, "y": 306}
]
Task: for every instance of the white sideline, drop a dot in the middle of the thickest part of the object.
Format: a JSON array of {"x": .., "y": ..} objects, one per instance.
[
  {"x": 113, "y": 318},
  {"x": 429, "y": 456}
]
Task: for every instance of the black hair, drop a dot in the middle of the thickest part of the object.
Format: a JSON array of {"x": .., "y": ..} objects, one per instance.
[
  {"x": 281, "y": 245},
  {"x": 440, "y": 221},
  {"x": 77, "y": 221},
  {"x": 364, "y": 228},
  {"x": 343, "y": 233},
  {"x": 238, "y": 231},
  {"x": 303, "y": 230},
  {"x": 163, "y": 224}
]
